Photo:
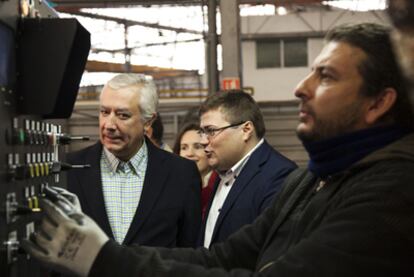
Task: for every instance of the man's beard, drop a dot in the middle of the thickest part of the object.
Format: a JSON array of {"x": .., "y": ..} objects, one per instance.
[{"x": 342, "y": 122}]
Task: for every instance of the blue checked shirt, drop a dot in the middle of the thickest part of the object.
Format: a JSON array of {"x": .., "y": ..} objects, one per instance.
[{"x": 122, "y": 187}]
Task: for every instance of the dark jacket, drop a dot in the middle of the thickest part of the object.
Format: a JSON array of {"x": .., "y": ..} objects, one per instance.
[
  {"x": 359, "y": 223},
  {"x": 169, "y": 211},
  {"x": 252, "y": 192}
]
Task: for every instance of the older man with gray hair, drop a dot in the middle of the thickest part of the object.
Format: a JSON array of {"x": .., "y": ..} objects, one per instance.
[{"x": 136, "y": 192}]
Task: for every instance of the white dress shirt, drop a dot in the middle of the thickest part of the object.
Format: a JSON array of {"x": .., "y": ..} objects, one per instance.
[{"x": 224, "y": 187}]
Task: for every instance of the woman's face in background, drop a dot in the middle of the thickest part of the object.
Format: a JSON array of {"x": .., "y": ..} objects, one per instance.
[{"x": 192, "y": 149}]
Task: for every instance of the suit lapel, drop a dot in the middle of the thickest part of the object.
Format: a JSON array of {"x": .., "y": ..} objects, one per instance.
[
  {"x": 251, "y": 169},
  {"x": 92, "y": 186},
  {"x": 155, "y": 179}
]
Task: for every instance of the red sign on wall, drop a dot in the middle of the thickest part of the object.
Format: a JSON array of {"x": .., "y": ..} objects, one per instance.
[{"x": 230, "y": 83}]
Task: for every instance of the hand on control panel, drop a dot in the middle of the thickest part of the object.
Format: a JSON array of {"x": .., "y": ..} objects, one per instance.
[
  {"x": 56, "y": 193},
  {"x": 67, "y": 239}
]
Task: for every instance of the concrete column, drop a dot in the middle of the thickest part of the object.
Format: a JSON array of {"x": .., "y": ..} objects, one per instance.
[
  {"x": 212, "y": 71},
  {"x": 231, "y": 43}
]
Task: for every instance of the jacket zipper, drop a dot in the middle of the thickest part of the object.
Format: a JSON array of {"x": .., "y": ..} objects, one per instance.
[{"x": 266, "y": 266}]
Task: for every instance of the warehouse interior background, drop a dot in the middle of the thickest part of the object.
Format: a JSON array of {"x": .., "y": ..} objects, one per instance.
[{"x": 193, "y": 48}]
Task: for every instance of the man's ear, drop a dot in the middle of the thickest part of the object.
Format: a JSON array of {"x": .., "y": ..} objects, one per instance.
[
  {"x": 147, "y": 126},
  {"x": 148, "y": 130},
  {"x": 380, "y": 105},
  {"x": 248, "y": 130}
]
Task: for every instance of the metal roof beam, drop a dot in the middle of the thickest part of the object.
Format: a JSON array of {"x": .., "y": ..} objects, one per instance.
[
  {"x": 122, "y": 50},
  {"x": 129, "y": 22},
  {"x": 281, "y": 2},
  {"x": 112, "y": 3},
  {"x": 156, "y": 72}
]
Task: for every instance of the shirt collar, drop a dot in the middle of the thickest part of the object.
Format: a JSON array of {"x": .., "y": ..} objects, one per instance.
[
  {"x": 135, "y": 161},
  {"x": 237, "y": 168}
]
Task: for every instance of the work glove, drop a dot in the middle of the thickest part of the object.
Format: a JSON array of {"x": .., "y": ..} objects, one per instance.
[
  {"x": 57, "y": 193},
  {"x": 67, "y": 241}
]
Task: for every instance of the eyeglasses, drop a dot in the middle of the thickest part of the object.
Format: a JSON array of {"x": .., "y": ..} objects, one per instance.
[{"x": 211, "y": 132}]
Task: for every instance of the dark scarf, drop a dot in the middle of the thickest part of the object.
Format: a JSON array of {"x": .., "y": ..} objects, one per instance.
[{"x": 338, "y": 153}]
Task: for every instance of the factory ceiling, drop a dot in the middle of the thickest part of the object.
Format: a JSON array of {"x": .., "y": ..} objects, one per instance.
[
  {"x": 117, "y": 3},
  {"x": 183, "y": 33}
]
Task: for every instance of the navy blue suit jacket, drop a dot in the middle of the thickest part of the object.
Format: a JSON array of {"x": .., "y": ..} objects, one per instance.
[
  {"x": 169, "y": 211},
  {"x": 252, "y": 192}
]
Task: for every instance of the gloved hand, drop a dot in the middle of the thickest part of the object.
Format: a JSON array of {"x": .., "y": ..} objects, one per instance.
[
  {"x": 63, "y": 243},
  {"x": 57, "y": 193}
]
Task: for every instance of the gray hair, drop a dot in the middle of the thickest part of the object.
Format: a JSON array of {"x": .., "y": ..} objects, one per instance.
[{"x": 141, "y": 84}]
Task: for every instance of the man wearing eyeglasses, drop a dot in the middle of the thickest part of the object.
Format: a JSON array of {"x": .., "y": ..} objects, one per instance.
[{"x": 251, "y": 171}]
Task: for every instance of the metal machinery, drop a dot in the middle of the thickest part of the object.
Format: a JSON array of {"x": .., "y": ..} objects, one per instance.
[{"x": 42, "y": 58}]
